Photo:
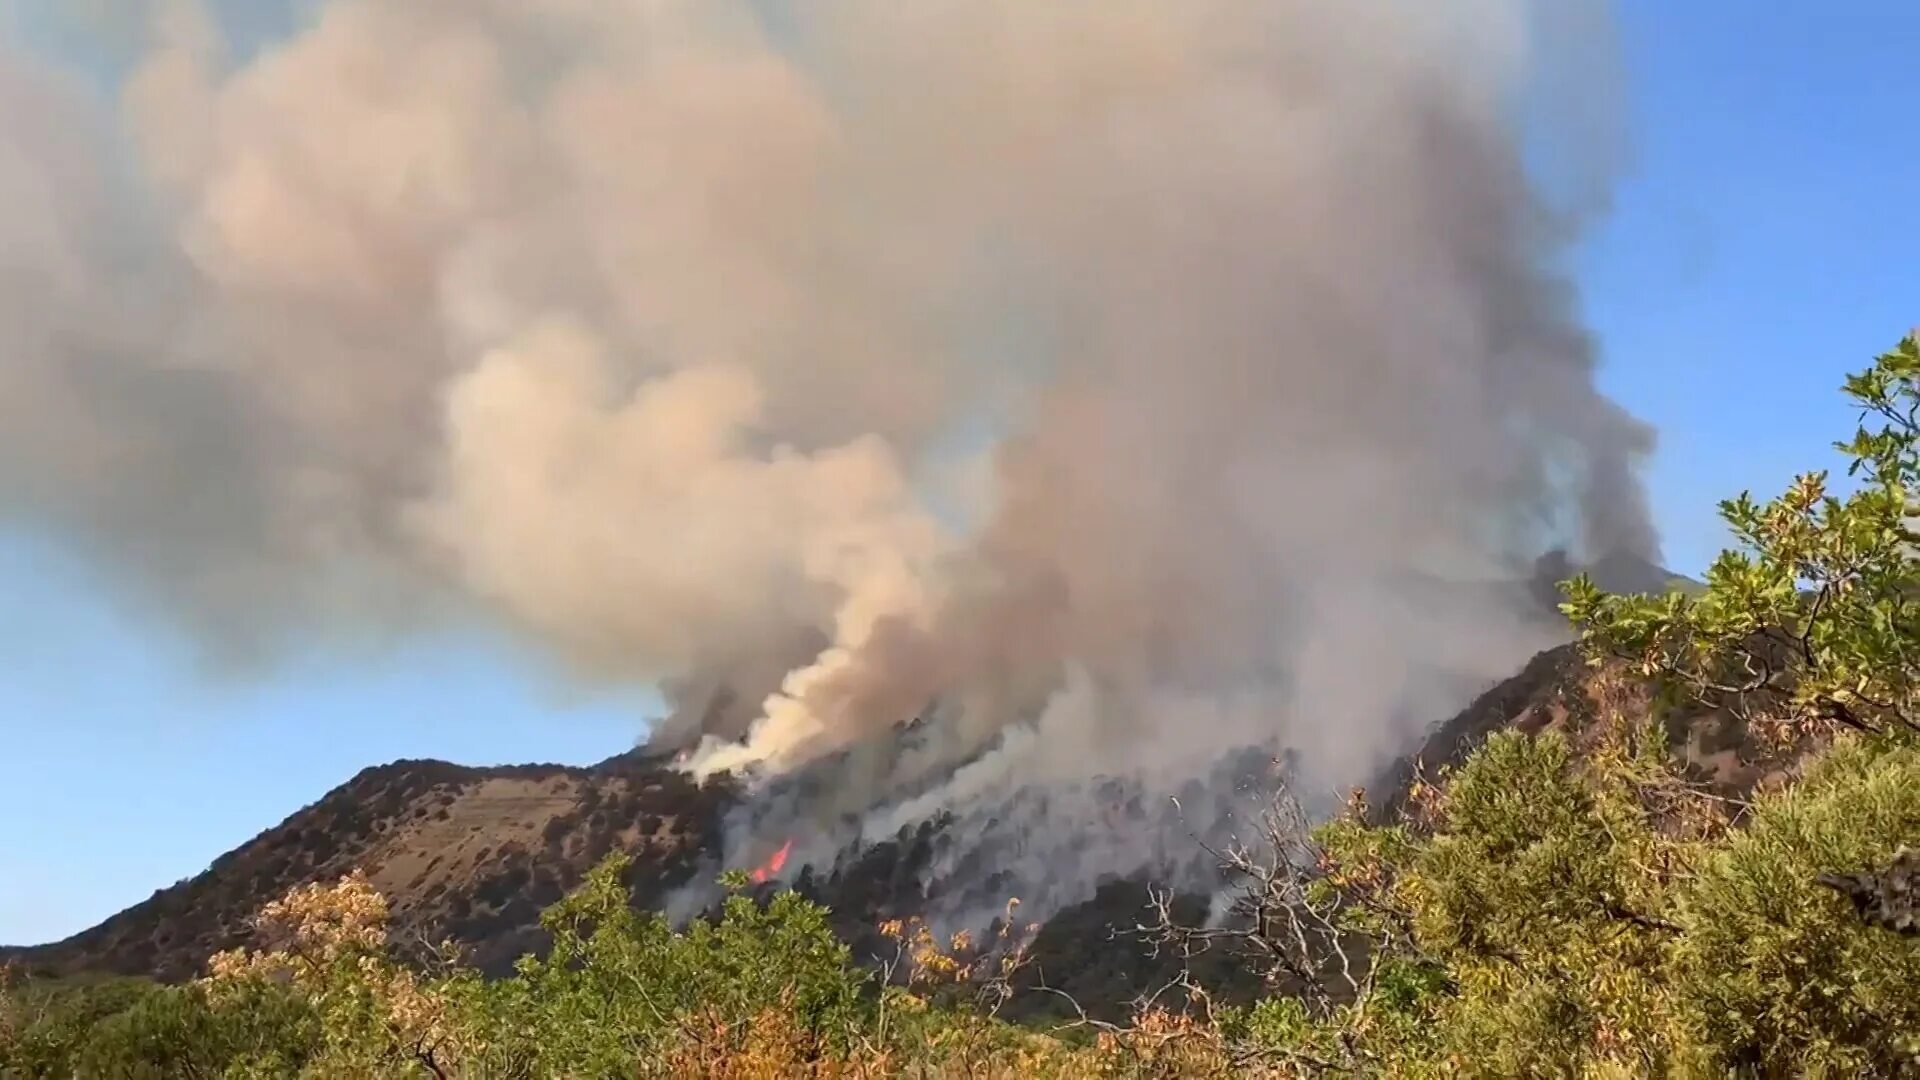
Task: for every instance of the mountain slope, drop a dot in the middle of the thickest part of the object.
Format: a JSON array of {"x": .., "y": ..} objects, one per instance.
[
  {"x": 474, "y": 854},
  {"x": 467, "y": 853}
]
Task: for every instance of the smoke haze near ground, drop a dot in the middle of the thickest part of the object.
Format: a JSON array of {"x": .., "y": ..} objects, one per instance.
[{"x": 1084, "y": 379}]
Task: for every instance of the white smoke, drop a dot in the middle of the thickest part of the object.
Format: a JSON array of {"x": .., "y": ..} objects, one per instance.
[{"x": 1088, "y": 378}]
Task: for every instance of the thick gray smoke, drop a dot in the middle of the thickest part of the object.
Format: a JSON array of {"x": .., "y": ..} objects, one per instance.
[{"x": 1088, "y": 380}]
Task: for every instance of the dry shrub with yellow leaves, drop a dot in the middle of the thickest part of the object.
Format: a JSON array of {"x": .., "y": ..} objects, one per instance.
[{"x": 328, "y": 941}]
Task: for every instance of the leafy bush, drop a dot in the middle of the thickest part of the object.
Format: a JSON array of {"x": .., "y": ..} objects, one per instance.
[
  {"x": 133, "y": 1029},
  {"x": 620, "y": 986},
  {"x": 1813, "y": 620},
  {"x": 1773, "y": 968}
]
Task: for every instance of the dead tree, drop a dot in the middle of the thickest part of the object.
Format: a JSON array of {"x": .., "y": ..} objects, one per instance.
[{"x": 1888, "y": 898}]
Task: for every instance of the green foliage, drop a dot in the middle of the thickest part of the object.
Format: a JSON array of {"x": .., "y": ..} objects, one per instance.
[
  {"x": 175, "y": 1031},
  {"x": 135, "y": 1029},
  {"x": 1534, "y": 895},
  {"x": 1814, "y": 618},
  {"x": 764, "y": 987},
  {"x": 1774, "y": 968},
  {"x": 619, "y": 984},
  {"x": 43, "y": 1025},
  {"x": 1564, "y": 923},
  {"x": 1535, "y": 930}
]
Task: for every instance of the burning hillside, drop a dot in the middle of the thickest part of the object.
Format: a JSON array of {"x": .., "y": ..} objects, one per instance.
[
  {"x": 473, "y": 854},
  {"x": 1002, "y": 821},
  {"x": 966, "y": 410},
  {"x": 770, "y": 869}
]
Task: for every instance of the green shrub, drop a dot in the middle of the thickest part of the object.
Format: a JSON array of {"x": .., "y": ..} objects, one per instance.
[
  {"x": 620, "y": 986},
  {"x": 1775, "y": 970},
  {"x": 134, "y": 1029}
]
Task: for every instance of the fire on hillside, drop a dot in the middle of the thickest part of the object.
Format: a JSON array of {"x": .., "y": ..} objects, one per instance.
[{"x": 766, "y": 871}]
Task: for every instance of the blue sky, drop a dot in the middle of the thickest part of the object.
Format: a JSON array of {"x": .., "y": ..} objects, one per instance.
[
  {"x": 1761, "y": 246},
  {"x": 1764, "y": 244}
]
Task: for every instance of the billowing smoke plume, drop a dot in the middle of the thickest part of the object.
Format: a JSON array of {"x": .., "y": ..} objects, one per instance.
[{"x": 1094, "y": 383}]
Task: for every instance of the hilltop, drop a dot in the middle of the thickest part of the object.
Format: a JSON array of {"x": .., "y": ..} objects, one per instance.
[{"x": 472, "y": 854}]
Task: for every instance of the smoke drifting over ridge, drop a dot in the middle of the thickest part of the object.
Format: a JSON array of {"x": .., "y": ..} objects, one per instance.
[{"x": 1084, "y": 379}]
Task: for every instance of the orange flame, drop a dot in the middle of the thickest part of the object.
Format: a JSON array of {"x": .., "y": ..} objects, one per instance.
[{"x": 762, "y": 874}]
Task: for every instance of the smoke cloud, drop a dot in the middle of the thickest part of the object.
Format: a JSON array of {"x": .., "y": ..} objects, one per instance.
[{"x": 1086, "y": 381}]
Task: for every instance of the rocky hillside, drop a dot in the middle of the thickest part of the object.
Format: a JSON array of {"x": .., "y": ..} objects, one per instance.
[{"x": 471, "y": 854}]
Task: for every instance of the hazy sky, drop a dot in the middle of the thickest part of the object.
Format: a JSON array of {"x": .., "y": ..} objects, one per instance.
[{"x": 1760, "y": 247}]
